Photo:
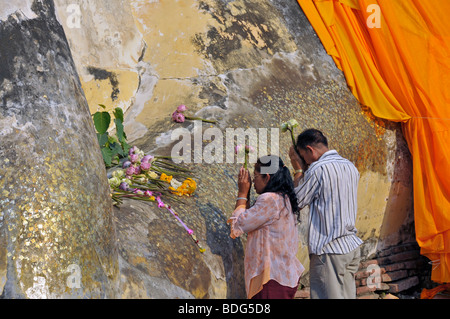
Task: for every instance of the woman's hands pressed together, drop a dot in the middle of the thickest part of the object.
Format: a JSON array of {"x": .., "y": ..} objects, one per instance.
[
  {"x": 244, "y": 182},
  {"x": 244, "y": 186}
]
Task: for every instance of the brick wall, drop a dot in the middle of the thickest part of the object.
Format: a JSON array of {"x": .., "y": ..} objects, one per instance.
[{"x": 393, "y": 270}]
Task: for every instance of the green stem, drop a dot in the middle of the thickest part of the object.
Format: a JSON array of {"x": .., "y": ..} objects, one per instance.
[
  {"x": 170, "y": 172},
  {"x": 245, "y": 160},
  {"x": 292, "y": 136},
  {"x": 293, "y": 142},
  {"x": 170, "y": 165},
  {"x": 200, "y": 119}
]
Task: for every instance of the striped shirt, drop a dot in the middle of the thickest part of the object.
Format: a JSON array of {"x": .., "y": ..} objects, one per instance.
[{"x": 329, "y": 186}]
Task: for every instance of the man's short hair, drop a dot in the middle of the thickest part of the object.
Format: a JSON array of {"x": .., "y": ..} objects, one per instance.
[{"x": 311, "y": 137}]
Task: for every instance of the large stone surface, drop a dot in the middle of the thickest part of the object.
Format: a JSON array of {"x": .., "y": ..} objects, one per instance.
[{"x": 56, "y": 229}]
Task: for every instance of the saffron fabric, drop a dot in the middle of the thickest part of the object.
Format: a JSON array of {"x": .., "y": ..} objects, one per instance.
[
  {"x": 395, "y": 55},
  {"x": 272, "y": 242},
  {"x": 431, "y": 293}
]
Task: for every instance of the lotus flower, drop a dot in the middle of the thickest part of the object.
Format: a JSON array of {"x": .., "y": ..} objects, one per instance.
[
  {"x": 130, "y": 171},
  {"x": 147, "y": 158},
  {"x": 181, "y": 108},
  {"x": 123, "y": 186},
  {"x": 118, "y": 173},
  {"x": 289, "y": 126},
  {"x": 145, "y": 166},
  {"x": 132, "y": 150},
  {"x": 134, "y": 158},
  {"x": 178, "y": 117},
  {"x": 126, "y": 164},
  {"x": 249, "y": 149},
  {"x": 114, "y": 181}
]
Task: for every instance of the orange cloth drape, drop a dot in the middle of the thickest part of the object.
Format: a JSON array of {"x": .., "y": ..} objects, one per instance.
[
  {"x": 400, "y": 69},
  {"x": 431, "y": 293}
]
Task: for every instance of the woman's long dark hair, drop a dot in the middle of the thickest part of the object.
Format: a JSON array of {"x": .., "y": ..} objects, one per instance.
[{"x": 280, "y": 180}]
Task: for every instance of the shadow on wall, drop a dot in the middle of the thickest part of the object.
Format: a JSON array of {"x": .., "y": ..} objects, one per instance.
[{"x": 230, "y": 250}]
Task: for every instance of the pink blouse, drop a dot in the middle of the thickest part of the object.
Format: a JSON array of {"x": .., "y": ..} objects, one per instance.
[{"x": 272, "y": 242}]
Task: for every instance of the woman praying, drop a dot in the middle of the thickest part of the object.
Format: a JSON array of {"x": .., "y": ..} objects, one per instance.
[{"x": 272, "y": 270}]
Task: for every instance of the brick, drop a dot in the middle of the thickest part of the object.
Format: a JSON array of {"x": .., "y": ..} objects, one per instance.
[
  {"x": 372, "y": 281},
  {"x": 376, "y": 282},
  {"x": 394, "y": 275},
  {"x": 397, "y": 249},
  {"x": 408, "y": 255},
  {"x": 412, "y": 264},
  {"x": 367, "y": 263},
  {"x": 390, "y": 296},
  {"x": 413, "y": 272},
  {"x": 382, "y": 286},
  {"x": 403, "y": 284},
  {"x": 394, "y": 267},
  {"x": 362, "y": 274},
  {"x": 364, "y": 290},
  {"x": 368, "y": 296}
]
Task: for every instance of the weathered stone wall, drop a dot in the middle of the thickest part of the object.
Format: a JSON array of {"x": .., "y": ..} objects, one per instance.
[
  {"x": 56, "y": 230},
  {"x": 249, "y": 64}
]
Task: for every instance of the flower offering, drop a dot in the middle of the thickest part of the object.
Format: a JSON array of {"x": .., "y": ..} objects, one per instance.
[{"x": 179, "y": 117}]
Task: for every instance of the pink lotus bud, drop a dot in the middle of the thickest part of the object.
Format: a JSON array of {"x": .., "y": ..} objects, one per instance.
[
  {"x": 178, "y": 117},
  {"x": 126, "y": 164},
  {"x": 181, "y": 108},
  {"x": 249, "y": 149},
  {"x": 145, "y": 166},
  {"x": 132, "y": 150},
  {"x": 134, "y": 158},
  {"x": 147, "y": 158},
  {"x": 130, "y": 171}
]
